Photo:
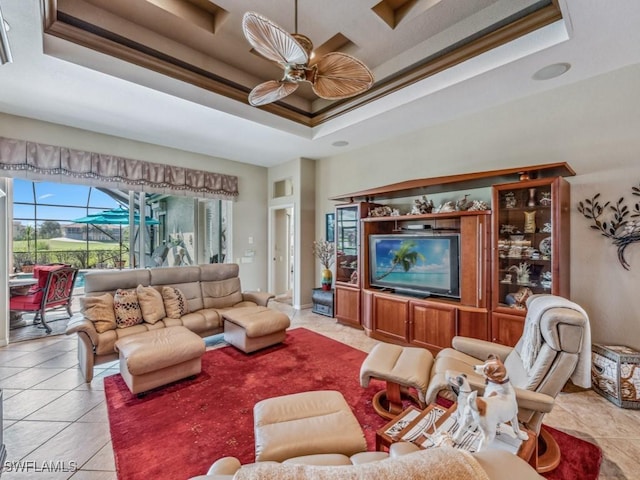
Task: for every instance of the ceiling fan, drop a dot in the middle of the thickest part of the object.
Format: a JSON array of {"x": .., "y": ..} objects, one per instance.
[{"x": 334, "y": 76}]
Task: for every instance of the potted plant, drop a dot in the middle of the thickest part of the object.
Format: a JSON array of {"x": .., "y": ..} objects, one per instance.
[{"x": 325, "y": 252}]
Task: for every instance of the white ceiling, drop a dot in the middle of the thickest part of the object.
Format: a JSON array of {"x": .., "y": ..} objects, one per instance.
[{"x": 594, "y": 37}]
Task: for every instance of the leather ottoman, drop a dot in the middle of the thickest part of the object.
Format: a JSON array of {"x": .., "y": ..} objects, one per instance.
[
  {"x": 158, "y": 357},
  {"x": 307, "y": 423},
  {"x": 252, "y": 328}
]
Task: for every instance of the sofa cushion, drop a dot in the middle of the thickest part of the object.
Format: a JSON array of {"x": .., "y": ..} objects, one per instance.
[
  {"x": 222, "y": 293},
  {"x": 99, "y": 310},
  {"x": 151, "y": 304},
  {"x": 102, "y": 282},
  {"x": 202, "y": 321},
  {"x": 175, "y": 303},
  {"x": 127, "y": 308}
]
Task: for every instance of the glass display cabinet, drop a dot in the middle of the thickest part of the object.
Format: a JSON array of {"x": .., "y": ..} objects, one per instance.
[
  {"x": 347, "y": 246},
  {"x": 531, "y": 249},
  {"x": 347, "y": 266}
]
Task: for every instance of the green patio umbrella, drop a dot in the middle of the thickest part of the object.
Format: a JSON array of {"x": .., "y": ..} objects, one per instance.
[{"x": 116, "y": 216}]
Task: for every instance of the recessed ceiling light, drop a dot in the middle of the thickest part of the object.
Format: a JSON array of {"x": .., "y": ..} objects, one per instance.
[
  {"x": 340, "y": 143},
  {"x": 552, "y": 71}
]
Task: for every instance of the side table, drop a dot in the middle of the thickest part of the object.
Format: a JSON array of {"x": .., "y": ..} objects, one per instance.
[
  {"x": 322, "y": 302},
  {"x": 417, "y": 426}
]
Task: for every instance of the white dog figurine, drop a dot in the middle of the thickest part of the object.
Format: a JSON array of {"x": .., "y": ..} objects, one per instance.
[
  {"x": 460, "y": 386},
  {"x": 497, "y": 405}
]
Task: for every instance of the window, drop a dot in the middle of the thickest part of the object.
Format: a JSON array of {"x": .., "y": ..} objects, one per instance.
[{"x": 88, "y": 227}]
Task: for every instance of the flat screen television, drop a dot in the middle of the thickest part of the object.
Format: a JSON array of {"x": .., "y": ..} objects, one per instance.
[{"x": 416, "y": 264}]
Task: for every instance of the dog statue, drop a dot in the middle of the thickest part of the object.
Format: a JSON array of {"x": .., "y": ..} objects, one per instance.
[
  {"x": 497, "y": 405},
  {"x": 460, "y": 386}
]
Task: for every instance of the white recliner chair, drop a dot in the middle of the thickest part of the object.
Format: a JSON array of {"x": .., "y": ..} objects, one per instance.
[{"x": 555, "y": 347}]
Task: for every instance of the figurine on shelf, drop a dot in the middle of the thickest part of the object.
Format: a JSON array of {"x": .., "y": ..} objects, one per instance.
[
  {"x": 510, "y": 200},
  {"x": 506, "y": 228},
  {"x": 506, "y": 279},
  {"x": 445, "y": 208},
  {"x": 478, "y": 205},
  {"x": 522, "y": 272},
  {"x": 545, "y": 199},
  {"x": 383, "y": 211},
  {"x": 547, "y": 227},
  {"x": 545, "y": 281},
  {"x": 462, "y": 204},
  {"x": 518, "y": 300},
  {"x": 422, "y": 206}
]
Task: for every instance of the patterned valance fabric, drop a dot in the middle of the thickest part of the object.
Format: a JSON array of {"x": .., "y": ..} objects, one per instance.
[{"x": 36, "y": 161}]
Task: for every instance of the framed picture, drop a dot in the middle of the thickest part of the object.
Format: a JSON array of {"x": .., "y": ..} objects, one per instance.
[{"x": 330, "y": 222}]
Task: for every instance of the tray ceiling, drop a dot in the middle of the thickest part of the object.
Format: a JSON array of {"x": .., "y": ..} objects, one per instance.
[{"x": 201, "y": 42}]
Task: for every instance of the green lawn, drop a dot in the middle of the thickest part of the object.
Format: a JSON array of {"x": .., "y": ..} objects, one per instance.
[
  {"x": 61, "y": 245},
  {"x": 98, "y": 254}
]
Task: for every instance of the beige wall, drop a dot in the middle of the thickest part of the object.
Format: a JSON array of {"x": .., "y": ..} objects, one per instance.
[
  {"x": 303, "y": 200},
  {"x": 249, "y": 214},
  {"x": 592, "y": 125}
]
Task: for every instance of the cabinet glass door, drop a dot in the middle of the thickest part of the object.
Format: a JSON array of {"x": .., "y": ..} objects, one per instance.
[
  {"x": 525, "y": 244},
  {"x": 347, "y": 223}
]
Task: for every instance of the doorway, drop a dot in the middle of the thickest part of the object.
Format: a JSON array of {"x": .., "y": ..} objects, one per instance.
[{"x": 282, "y": 265}]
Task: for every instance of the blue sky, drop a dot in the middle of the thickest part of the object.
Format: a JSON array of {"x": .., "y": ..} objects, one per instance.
[
  {"x": 434, "y": 250},
  {"x": 57, "y": 194}
]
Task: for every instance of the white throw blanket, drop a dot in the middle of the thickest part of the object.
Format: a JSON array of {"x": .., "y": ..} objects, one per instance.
[
  {"x": 532, "y": 338},
  {"x": 444, "y": 463}
]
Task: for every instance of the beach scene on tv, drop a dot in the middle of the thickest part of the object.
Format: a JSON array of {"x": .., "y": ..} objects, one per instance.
[{"x": 415, "y": 264}]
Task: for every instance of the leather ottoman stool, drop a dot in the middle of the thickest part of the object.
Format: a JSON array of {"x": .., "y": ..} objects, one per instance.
[
  {"x": 158, "y": 357},
  {"x": 308, "y": 423},
  {"x": 401, "y": 368},
  {"x": 252, "y": 328}
]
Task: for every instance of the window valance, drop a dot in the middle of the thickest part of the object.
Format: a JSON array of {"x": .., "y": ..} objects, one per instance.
[{"x": 36, "y": 161}]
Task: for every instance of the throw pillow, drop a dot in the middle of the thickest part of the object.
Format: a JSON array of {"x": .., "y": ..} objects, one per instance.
[
  {"x": 99, "y": 310},
  {"x": 175, "y": 303},
  {"x": 127, "y": 308},
  {"x": 151, "y": 304}
]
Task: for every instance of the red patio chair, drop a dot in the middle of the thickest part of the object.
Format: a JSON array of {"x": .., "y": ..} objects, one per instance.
[{"x": 53, "y": 290}]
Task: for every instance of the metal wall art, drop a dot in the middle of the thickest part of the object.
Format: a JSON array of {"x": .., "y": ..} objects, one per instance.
[{"x": 613, "y": 221}]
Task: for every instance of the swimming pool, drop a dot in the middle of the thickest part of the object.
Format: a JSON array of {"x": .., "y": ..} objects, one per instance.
[{"x": 79, "y": 278}]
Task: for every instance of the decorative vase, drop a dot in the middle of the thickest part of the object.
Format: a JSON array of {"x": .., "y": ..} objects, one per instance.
[
  {"x": 530, "y": 222},
  {"x": 532, "y": 197},
  {"x": 327, "y": 279}
]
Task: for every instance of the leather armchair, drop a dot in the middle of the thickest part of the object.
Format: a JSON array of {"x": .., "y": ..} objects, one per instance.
[{"x": 562, "y": 329}]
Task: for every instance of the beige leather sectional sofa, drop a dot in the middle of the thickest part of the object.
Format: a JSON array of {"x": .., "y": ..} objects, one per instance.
[
  {"x": 208, "y": 290},
  {"x": 404, "y": 461}
]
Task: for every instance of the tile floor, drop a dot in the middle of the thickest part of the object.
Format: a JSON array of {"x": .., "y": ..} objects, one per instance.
[{"x": 51, "y": 415}]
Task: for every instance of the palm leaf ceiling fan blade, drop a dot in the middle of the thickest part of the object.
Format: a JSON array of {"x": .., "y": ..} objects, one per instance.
[
  {"x": 271, "y": 91},
  {"x": 336, "y": 76},
  {"x": 341, "y": 76},
  {"x": 271, "y": 41}
]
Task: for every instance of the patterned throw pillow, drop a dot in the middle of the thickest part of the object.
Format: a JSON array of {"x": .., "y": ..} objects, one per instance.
[
  {"x": 175, "y": 303},
  {"x": 127, "y": 308},
  {"x": 99, "y": 310},
  {"x": 151, "y": 304}
]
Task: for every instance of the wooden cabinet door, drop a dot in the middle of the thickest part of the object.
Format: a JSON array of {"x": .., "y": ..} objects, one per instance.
[
  {"x": 474, "y": 324},
  {"x": 431, "y": 325},
  {"x": 390, "y": 317},
  {"x": 506, "y": 329},
  {"x": 347, "y": 305}
]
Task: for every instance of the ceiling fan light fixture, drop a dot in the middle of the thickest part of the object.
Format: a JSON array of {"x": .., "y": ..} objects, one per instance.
[{"x": 334, "y": 76}]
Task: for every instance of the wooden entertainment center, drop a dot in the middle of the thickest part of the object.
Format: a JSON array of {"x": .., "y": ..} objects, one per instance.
[{"x": 517, "y": 248}]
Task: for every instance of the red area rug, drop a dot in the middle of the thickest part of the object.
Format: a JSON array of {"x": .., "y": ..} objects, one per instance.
[{"x": 177, "y": 432}]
